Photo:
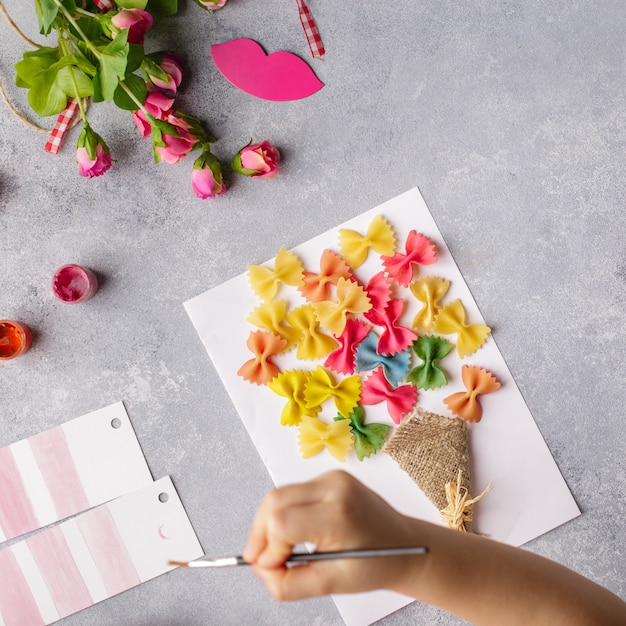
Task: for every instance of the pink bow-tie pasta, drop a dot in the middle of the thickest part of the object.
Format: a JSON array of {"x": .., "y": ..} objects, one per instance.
[{"x": 420, "y": 250}]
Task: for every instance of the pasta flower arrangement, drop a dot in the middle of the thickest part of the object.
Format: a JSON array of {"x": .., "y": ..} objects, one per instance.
[{"x": 101, "y": 56}]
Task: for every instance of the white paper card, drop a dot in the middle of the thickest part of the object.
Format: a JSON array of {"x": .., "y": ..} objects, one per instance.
[
  {"x": 529, "y": 496},
  {"x": 91, "y": 557},
  {"x": 68, "y": 469}
]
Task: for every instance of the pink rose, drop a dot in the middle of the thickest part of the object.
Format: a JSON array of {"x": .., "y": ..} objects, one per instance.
[
  {"x": 157, "y": 105},
  {"x": 258, "y": 160},
  {"x": 206, "y": 178},
  {"x": 137, "y": 21},
  {"x": 175, "y": 148},
  {"x": 92, "y": 153},
  {"x": 212, "y": 4},
  {"x": 93, "y": 167},
  {"x": 164, "y": 71}
]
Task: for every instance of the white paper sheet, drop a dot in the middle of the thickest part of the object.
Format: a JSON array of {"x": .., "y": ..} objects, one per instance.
[
  {"x": 68, "y": 469},
  {"x": 529, "y": 496},
  {"x": 91, "y": 557}
]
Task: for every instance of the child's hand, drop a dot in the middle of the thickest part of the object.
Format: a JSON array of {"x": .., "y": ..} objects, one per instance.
[{"x": 334, "y": 512}]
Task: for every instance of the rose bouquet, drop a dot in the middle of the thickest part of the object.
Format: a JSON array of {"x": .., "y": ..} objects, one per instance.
[{"x": 100, "y": 56}]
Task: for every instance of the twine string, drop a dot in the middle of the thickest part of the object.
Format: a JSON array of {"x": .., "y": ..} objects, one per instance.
[
  {"x": 458, "y": 513},
  {"x": 16, "y": 29}
]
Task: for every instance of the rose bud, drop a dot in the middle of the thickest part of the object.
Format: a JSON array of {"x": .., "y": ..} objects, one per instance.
[
  {"x": 258, "y": 160},
  {"x": 92, "y": 153}
]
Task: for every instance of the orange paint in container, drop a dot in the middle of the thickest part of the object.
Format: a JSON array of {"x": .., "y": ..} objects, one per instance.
[
  {"x": 15, "y": 339},
  {"x": 74, "y": 284}
]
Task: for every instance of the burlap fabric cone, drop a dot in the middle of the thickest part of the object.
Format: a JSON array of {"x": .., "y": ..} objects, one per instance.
[{"x": 432, "y": 449}]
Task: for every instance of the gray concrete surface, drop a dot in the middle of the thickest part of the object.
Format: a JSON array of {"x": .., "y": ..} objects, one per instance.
[{"x": 510, "y": 116}]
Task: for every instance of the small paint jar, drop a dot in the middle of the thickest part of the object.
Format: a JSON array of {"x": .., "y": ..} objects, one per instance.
[
  {"x": 74, "y": 284},
  {"x": 15, "y": 339}
]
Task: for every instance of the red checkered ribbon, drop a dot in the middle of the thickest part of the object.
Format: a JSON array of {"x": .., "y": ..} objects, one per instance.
[
  {"x": 104, "y": 5},
  {"x": 310, "y": 30},
  {"x": 60, "y": 128}
]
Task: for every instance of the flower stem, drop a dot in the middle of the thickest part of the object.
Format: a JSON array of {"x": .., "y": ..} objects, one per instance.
[
  {"x": 133, "y": 97},
  {"x": 73, "y": 22}
]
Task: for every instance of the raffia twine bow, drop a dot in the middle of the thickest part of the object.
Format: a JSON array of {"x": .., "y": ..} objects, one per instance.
[{"x": 458, "y": 514}]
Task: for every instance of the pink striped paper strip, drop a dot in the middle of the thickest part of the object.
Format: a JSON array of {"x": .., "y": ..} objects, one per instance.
[
  {"x": 68, "y": 469},
  {"x": 100, "y": 553}
]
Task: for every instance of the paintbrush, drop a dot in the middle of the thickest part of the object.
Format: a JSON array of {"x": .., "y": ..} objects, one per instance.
[{"x": 305, "y": 557}]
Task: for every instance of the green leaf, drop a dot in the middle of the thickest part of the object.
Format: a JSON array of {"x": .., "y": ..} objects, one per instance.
[
  {"x": 137, "y": 86},
  {"x": 135, "y": 57},
  {"x": 369, "y": 438},
  {"x": 73, "y": 82},
  {"x": 131, "y": 4},
  {"x": 91, "y": 27},
  {"x": 33, "y": 63},
  {"x": 163, "y": 7},
  {"x": 47, "y": 11},
  {"x": 45, "y": 96},
  {"x": 112, "y": 68}
]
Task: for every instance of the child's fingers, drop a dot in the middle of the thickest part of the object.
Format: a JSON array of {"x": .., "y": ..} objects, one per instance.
[
  {"x": 300, "y": 581},
  {"x": 275, "y": 509}
]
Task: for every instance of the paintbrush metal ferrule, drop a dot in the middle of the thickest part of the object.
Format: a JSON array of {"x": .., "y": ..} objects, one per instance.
[{"x": 306, "y": 557}]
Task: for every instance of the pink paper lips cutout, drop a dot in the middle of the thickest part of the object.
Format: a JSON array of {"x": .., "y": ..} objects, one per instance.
[{"x": 279, "y": 76}]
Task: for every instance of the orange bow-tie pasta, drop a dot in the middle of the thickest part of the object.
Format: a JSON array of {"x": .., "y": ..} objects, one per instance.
[
  {"x": 478, "y": 382},
  {"x": 261, "y": 369}
]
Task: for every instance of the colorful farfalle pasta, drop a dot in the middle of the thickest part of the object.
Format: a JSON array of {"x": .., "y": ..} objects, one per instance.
[
  {"x": 451, "y": 320},
  {"x": 465, "y": 404},
  {"x": 351, "y": 299},
  {"x": 342, "y": 359},
  {"x": 379, "y": 237},
  {"x": 420, "y": 250},
  {"x": 315, "y": 435},
  {"x": 400, "y": 400},
  {"x": 271, "y": 316},
  {"x": 353, "y": 325},
  {"x": 394, "y": 366},
  {"x": 312, "y": 344},
  {"x": 430, "y": 290},
  {"x": 316, "y": 287},
  {"x": 321, "y": 386},
  {"x": 261, "y": 369},
  {"x": 265, "y": 281},
  {"x": 431, "y": 350},
  {"x": 291, "y": 385}
]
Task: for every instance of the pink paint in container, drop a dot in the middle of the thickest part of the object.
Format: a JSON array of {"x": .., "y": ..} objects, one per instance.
[{"x": 74, "y": 284}]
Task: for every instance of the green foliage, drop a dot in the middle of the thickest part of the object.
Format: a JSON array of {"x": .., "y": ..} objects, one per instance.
[
  {"x": 51, "y": 79},
  {"x": 131, "y": 4},
  {"x": 136, "y": 86},
  {"x": 112, "y": 68},
  {"x": 163, "y": 7}
]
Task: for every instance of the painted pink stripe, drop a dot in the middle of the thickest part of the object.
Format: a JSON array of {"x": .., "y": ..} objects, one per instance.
[
  {"x": 107, "y": 549},
  {"x": 59, "y": 471},
  {"x": 58, "y": 568},
  {"x": 17, "y": 604},
  {"x": 16, "y": 511}
]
